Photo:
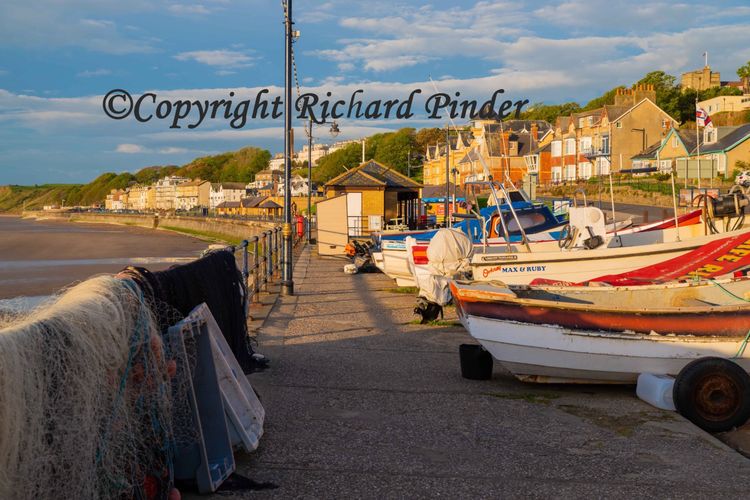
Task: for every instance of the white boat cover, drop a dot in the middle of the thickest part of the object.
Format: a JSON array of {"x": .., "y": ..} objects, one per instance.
[{"x": 449, "y": 254}]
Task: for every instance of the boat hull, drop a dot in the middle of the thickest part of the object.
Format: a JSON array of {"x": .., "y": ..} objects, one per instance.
[{"x": 555, "y": 354}]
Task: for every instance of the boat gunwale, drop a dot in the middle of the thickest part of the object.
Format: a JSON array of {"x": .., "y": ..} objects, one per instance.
[{"x": 487, "y": 296}]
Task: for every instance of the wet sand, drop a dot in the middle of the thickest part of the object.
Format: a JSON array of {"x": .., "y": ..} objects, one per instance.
[{"x": 40, "y": 257}]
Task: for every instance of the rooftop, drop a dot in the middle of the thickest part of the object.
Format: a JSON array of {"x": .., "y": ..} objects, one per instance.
[{"x": 373, "y": 174}]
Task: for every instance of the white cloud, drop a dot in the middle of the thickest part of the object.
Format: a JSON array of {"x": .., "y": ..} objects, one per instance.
[
  {"x": 93, "y": 73},
  {"x": 73, "y": 23},
  {"x": 173, "y": 151},
  {"x": 183, "y": 9},
  {"x": 98, "y": 23},
  {"x": 129, "y": 149},
  {"x": 226, "y": 58}
]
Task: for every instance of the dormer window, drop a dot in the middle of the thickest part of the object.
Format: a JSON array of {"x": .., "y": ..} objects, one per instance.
[{"x": 709, "y": 135}]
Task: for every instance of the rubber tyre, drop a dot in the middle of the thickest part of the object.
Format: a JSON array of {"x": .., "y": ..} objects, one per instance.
[
  {"x": 713, "y": 393},
  {"x": 476, "y": 362}
]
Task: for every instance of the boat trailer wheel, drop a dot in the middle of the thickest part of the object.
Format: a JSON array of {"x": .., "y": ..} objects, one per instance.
[{"x": 713, "y": 393}]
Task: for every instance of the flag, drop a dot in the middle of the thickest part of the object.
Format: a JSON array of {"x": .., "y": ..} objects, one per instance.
[{"x": 702, "y": 118}]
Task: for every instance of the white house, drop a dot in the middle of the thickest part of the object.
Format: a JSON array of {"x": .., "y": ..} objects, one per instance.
[
  {"x": 225, "y": 191},
  {"x": 166, "y": 191},
  {"x": 277, "y": 162},
  {"x": 298, "y": 186}
]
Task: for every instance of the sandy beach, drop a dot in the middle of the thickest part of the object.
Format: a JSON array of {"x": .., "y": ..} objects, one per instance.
[{"x": 40, "y": 257}]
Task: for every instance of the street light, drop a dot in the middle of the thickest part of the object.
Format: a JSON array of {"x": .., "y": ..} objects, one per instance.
[
  {"x": 287, "y": 279},
  {"x": 334, "y": 131}
]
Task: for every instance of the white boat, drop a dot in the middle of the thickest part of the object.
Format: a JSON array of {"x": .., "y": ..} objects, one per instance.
[
  {"x": 392, "y": 258},
  {"x": 515, "y": 324}
]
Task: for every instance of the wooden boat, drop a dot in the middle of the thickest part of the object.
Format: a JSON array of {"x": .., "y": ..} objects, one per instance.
[{"x": 602, "y": 334}]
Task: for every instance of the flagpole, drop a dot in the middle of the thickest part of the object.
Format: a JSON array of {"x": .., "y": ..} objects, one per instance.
[{"x": 698, "y": 141}]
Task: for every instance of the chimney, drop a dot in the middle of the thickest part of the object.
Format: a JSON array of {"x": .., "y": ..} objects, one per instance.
[{"x": 535, "y": 131}]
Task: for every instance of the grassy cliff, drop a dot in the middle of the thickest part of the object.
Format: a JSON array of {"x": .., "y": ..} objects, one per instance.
[{"x": 239, "y": 166}]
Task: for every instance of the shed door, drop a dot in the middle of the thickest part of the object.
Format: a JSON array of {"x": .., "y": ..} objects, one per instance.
[{"x": 354, "y": 211}]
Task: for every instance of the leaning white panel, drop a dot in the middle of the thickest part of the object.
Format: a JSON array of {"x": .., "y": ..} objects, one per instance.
[{"x": 244, "y": 411}]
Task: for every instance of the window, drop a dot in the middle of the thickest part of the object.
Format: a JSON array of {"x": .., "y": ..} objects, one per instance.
[
  {"x": 556, "y": 174},
  {"x": 591, "y": 120},
  {"x": 570, "y": 146},
  {"x": 570, "y": 172},
  {"x": 709, "y": 135},
  {"x": 618, "y": 124},
  {"x": 585, "y": 144},
  {"x": 556, "y": 148},
  {"x": 584, "y": 170},
  {"x": 605, "y": 144},
  {"x": 675, "y": 142}
]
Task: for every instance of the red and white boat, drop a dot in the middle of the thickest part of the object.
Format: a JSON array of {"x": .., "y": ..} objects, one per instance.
[
  {"x": 654, "y": 319},
  {"x": 604, "y": 334}
]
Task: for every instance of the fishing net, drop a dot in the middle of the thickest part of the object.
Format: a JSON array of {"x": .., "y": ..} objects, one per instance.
[
  {"x": 86, "y": 396},
  {"x": 215, "y": 280}
]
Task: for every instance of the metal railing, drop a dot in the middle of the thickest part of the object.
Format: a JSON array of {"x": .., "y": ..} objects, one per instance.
[{"x": 261, "y": 256}]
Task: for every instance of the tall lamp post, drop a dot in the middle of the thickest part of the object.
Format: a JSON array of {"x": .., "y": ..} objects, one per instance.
[
  {"x": 446, "y": 202},
  {"x": 287, "y": 281},
  {"x": 334, "y": 131}
]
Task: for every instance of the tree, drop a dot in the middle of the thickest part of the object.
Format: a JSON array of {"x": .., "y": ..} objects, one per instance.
[
  {"x": 550, "y": 112},
  {"x": 744, "y": 71},
  {"x": 393, "y": 150},
  {"x": 427, "y": 137},
  {"x": 336, "y": 163}
]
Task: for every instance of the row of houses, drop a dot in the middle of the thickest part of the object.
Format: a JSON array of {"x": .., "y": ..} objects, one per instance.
[
  {"x": 611, "y": 138},
  {"x": 180, "y": 193},
  {"x": 174, "y": 193},
  {"x": 315, "y": 153}
]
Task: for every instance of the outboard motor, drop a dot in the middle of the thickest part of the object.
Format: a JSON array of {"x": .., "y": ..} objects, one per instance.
[
  {"x": 449, "y": 254},
  {"x": 586, "y": 229}
]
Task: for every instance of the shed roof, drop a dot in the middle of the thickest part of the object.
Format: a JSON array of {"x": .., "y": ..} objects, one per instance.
[
  {"x": 373, "y": 174},
  {"x": 228, "y": 204}
]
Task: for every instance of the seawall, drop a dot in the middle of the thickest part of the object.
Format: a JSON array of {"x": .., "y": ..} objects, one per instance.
[{"x": 228, "y": 228}]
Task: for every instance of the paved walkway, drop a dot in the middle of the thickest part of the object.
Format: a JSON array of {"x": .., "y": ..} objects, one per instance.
[{"x": 362, "y": 402}]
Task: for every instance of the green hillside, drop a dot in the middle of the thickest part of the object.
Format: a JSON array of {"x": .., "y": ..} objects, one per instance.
[{"x": 239, "y": 166}]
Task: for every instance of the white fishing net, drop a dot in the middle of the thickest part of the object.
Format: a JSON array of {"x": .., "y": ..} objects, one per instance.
[{"x": 85, "y": 397}]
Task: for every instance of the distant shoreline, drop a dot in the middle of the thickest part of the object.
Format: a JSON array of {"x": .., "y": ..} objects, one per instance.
[{"x": 88, "y": 249}]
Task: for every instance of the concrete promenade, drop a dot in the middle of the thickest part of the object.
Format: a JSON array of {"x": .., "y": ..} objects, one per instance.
[{"x": 362, "y": 402}]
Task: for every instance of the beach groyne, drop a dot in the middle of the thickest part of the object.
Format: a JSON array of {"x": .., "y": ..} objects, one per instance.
[{"x": 232, "y": 229}]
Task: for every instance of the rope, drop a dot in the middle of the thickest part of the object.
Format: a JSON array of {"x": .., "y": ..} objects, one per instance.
[
  {"x": 743, "y": 344},
  {"x": 728, "y": 292}
]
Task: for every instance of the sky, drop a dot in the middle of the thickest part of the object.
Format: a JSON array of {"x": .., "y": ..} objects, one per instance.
[{"x": 59, "y": 58}]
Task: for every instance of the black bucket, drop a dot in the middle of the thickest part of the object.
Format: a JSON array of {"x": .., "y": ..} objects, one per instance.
[{"x": 476, "y": 362}]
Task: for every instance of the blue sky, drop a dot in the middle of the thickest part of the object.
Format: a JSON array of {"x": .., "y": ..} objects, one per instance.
[{"x": 57, "y": 60}]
